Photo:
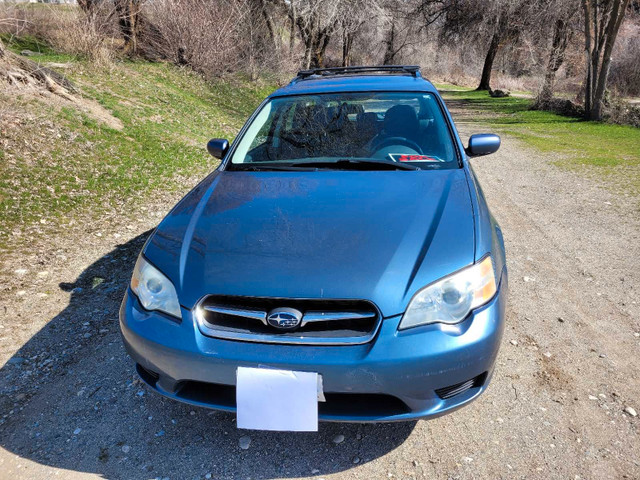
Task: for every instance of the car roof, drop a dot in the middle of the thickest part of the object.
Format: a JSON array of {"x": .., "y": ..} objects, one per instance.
[{"x": 355, "y": 80}]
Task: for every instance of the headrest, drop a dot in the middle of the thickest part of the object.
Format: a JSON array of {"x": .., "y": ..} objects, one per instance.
[{"x": 401, "y": 121}]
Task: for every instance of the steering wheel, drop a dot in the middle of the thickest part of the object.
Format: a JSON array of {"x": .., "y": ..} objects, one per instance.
[{"x": 396, "y": 141}]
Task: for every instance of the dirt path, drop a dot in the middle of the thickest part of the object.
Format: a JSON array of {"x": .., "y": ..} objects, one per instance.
[{"x": 71, "y": 406}]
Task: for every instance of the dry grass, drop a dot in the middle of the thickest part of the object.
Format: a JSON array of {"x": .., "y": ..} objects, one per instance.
[
  {"x": 86, "y": 36},
  {"x": 65, "y": 28}
]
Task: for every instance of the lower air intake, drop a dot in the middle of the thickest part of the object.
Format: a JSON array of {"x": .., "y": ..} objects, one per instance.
[{"x": 453, "y": 390}]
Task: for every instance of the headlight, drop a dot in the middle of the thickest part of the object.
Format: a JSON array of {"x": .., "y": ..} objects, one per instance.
[
  {"x": 451, "y": 299},
  {"x": 154, "y": 290}
]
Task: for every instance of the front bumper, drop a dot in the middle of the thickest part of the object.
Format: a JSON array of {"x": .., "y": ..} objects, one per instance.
[{"x": 395, "y": 377}]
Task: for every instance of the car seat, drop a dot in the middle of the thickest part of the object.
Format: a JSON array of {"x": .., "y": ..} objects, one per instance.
[{"x": 399, "y": 121}]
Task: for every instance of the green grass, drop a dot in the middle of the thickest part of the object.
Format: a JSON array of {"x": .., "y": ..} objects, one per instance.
[
  {"x": 609, "y": 151},
  {"x": 44, "y": 52},
  {"x": 58, "y": 159}
]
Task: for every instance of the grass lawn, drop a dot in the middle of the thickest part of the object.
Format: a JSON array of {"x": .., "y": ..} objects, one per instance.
[
  {"x": 56, "y": 158},
  {"x": 608, "y": 151}
]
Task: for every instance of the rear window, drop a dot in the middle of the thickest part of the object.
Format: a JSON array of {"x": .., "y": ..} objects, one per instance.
[{"x": 392, "y": 126}]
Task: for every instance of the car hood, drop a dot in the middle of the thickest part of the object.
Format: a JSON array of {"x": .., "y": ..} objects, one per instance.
[{"x": 378, "y": 235}]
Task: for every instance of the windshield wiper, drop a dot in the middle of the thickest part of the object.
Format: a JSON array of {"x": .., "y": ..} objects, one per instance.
[
  {"x": 340, "y": 164},
  {"x": 287, "y": 167},
  {"x": 360, "y": 164}
]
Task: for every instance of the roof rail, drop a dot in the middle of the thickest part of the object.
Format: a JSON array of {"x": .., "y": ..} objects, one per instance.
[{"x": 410, "y": 69}]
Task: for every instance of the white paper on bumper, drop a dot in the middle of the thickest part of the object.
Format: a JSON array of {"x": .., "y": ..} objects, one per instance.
[{"x": 270, "y": 399}]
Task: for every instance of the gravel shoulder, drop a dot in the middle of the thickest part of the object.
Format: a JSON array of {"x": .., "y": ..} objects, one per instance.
[{"x": 71, "y": 406}]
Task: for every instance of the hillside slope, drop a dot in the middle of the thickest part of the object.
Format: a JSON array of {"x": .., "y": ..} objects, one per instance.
[{"x": 135, "y": 128}]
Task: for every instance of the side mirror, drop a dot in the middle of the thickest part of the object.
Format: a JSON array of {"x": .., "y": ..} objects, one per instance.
[
  {"x": 483, "y": 144},
  {"x": 218, "y": 147}
]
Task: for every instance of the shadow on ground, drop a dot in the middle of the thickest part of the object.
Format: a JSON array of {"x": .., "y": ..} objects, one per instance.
[{"x": 70, "y": 399}]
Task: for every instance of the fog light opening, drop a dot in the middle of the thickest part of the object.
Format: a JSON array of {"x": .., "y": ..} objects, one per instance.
[
  {"x": 453, "y": 390},
  {"x": 150, "y": 377}
]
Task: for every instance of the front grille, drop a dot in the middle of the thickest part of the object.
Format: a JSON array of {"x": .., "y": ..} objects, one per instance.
[
  {"x": 453, "y": 390},
  {"x": 323, "y": 322},
  {"x": 336, "y": 404}
]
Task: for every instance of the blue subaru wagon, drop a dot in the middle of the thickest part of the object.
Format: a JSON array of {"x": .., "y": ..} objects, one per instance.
[{"x": 344, "y": 234}]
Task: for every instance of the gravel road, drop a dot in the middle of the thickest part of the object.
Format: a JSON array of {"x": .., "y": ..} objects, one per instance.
[{"x": 71, "y": 406}]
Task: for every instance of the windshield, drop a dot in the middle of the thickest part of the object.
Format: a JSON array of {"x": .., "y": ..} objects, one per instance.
[{"x": 325, "y": 130}]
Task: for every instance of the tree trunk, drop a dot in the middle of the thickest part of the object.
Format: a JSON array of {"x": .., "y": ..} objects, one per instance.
[
  {"x": 350, "y": 30},
  {"x": 389, "y": 53},
  {"x": 556, "y": 58},
  {"x": 319, "y": 48},
  {"x": 88, "y": 7},
  {"x": 270, "y": 26},
  {"x": 347, "y": 42},
  {"x": 292, "y": 30},
  {"x": 600, "y": 31},
  {"x": 613, "y": 26},
  {"x": 548, "y": 87},
  {"x": 308, "y": 32},
  {"x": 308, "y": 47},
  {"x": 129, "y": 21},
  {"x": 315, "y": 41},
  {"x": 307, "y": 54},
  {"x": 588, "y": 13},
  {"x": 485, "y": 80}
]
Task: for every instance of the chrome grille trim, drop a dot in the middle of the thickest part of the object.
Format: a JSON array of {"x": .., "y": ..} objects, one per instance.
[
  {"x": 238, "y": 312},
  {"x": 310, "y": 317},
  {"x": 332, "y": 316}
]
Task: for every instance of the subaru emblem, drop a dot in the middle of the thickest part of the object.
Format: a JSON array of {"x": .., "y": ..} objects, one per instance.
[{"x": 284, "y": 318}]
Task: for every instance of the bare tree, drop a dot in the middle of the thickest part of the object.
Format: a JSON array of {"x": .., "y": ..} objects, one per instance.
[
  {"x": 88, "y": 6},
  {"x": 495, "y": 23},
  {"x": 561, "y": 36},
  {"x": 128, "y": 13},
  {"x": 506, "y": 29},
  {"x": 130, "y": 22},
  {"x": 267, "y": 11},
  {"x": 355, "y": 14},
  {"x": 496, "y": 42},
  {"x": 317, "y": 21},
  {"x": 555, "y": 25},
  {"x": 292, "y": 15},
  {"x": 350, "y": 26},
  {"x": 400, "y": 34},
  {"x": 602, "y": 20}
]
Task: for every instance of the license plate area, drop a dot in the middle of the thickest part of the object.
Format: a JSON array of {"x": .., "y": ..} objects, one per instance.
[{"x": 277, "y": 400}]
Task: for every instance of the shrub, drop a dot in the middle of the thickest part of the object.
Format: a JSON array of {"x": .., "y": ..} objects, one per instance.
[
  {"x": 208, "y": 36},
  {"x": 623, "y": 113},
  {"x": 625, "y": 63}
]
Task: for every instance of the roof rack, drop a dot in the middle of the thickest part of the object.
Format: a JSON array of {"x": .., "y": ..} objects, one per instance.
[{"x": 410, "y": 69}]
